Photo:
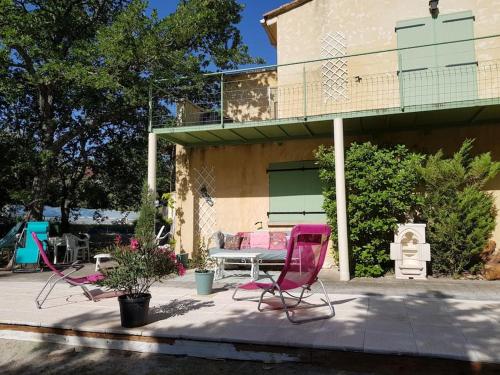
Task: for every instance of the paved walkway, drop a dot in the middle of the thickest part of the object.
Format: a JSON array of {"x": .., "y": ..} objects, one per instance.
[
  {"x": 387, "y": 286},
  {"x": 441, "y": 288},
  {"x": 392, "y": 317}
]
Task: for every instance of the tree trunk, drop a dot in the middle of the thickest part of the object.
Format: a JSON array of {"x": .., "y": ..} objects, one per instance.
[
  {"x": 39, "y": 195},
  {"x": 65, "y": 213},
  {"x": 40, "y": 182}
]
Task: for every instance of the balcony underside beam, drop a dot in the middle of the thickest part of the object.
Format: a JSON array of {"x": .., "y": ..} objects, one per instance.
[{"x": 320, "y": 126}]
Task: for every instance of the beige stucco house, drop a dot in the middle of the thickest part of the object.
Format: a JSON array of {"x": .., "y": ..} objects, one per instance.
[{"x": 387, "y": 70}]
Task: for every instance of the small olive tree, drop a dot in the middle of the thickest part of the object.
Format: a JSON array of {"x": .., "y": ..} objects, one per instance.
[
  {"x": 381, "y": 192},
  {"x": 460, "y": 216}
]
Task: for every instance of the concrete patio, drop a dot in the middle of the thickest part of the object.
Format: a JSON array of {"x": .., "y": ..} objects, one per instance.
[{"x": 439, "y": 319}]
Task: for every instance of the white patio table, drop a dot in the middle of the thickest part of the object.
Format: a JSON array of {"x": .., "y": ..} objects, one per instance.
[
  {"x": 56, "y": 242},
  {"x": 98, "y": 259},
  {"x": 221, "y": 259}
]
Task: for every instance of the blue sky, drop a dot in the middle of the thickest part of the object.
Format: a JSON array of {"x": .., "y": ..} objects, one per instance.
[{"x": 253, "y": 33}]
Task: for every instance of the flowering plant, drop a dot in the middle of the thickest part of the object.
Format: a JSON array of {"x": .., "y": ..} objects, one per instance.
[{"x": 142, "y": 262}]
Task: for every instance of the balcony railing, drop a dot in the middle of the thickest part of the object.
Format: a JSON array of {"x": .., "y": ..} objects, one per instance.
[{"x": 361, "y": 85}]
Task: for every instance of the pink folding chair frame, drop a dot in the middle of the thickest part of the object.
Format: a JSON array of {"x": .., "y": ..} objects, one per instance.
[
  {"x": 305, "y": 256},
  {"x": 58, "y": 276}
]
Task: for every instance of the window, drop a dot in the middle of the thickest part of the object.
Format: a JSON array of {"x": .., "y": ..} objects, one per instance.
[
  {"x": 437, "y": 73},
  {"x": 295, "y": 193}
]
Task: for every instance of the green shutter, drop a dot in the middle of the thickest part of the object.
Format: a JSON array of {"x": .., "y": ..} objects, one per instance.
[
  {"x": 439, "y": 73},
  {"x": 295, "y": 193},
  {"x": 313, "y": 196},
  {"x": 416, "y": 64},
  {"x": 285, "y": 193},
  {"x": 456, "y": 61}
]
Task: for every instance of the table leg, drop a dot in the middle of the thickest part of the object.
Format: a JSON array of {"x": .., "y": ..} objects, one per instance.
[
  {"x": 222, "y": 267},
  {"x": 254, "y": 271},
  {"x": 216, "y": 269},
  {"x": 219, "y": 268}
]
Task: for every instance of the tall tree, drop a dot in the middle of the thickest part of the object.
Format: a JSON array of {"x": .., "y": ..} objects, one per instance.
[{"x": 74, "y": 79}]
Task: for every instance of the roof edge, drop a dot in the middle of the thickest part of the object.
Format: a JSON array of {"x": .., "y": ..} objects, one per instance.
[
  {"x": 285, "y": 8},
  {"x": 269, "y": 33}
]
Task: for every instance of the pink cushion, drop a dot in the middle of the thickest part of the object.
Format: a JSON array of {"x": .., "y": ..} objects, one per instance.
[
  {"x": 90, "y": 279},
  {"x": 245, "y": 242},
  {"x": 259, "y": 240},
  {"x": 277, "y": 241},
  {"x": 232, "y": 242}
]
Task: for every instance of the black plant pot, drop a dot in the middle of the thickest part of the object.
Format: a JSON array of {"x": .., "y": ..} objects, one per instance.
[{"x": 134, "y": 311}]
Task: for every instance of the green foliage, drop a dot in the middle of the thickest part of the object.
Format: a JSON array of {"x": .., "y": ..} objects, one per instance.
[
  {"x": 460, "y": 216},
  {"x": 140, "y": 267},
  {"x": 145, "y": 226},
  {"x": 16, "y": 158},
  {"x": 168, "y": 200},
  {"x": 74, "y": 80},
  {"x": 142, "y": 262},
  {"x": 201, "y": 260},
  {"x": 380, "y": 187}
]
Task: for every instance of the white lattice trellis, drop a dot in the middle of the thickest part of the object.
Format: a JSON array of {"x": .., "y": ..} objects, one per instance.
[
  {"x": 334, "y": 72},
  {"x": 204, "y": 193}
]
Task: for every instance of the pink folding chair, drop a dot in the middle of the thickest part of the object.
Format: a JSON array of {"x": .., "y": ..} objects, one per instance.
[
  {"x": 59, "y": 276},
  {"x": 305, "y": 256}
]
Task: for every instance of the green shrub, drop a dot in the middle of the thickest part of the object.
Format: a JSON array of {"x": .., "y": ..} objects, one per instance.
[
  {"x": 381, "y": 192},
  {"x": 145, "y": 226},
  {"x": 460, "y": 216}
]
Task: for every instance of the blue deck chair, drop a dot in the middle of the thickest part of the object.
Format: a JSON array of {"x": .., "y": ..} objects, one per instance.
[
  {"x": 9, "y": 240},
  {"x": 27, "y": 251}
]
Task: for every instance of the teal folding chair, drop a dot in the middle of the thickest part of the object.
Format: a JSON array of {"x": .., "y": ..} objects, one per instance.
[
  {"x": 8, "y": 244},
  {"x": 10, "y": 239},
  {"x": 26, "y": 258}
]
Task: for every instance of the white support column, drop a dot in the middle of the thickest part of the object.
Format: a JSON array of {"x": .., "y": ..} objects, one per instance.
[
  {"x": 152, "y": 163},
  {"x": 338, "y": 137}
]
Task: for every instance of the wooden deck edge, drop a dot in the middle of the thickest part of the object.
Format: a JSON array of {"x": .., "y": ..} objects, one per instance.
[
  {"x": 356, "y": 361},
  {"x": 86, "y": 334}
]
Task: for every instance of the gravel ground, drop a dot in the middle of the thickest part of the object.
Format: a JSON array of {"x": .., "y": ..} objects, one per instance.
[{"x": 22, "y": 357}]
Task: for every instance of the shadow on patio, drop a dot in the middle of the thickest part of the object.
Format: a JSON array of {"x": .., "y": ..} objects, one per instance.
[{"x": 408, "y": 329}]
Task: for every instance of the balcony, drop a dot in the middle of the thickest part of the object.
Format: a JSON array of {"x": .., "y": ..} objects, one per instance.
[{"x": 300, "y": 100}]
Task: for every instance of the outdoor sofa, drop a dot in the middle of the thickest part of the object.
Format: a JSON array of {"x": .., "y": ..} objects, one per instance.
[{"x": 271, "y": 247}]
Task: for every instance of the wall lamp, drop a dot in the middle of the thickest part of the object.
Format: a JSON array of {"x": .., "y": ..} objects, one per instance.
[
  {"x": 433, "y": 8},
  {"x": 206, "y": 196}
]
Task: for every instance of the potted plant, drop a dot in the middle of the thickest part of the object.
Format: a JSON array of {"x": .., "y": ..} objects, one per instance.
[
  {"x": 203, "y": 276},
  {"x": 140, "y": 264},
  {"x": 183, "y": 258}
]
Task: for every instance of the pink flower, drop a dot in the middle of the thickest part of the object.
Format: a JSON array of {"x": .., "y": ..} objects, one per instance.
[
  {"x": 172, "y": 256},
  {"x": 180, "y": 269},
  {"x": 118, "y": 239},
  {"x": 134, "y": 244}
]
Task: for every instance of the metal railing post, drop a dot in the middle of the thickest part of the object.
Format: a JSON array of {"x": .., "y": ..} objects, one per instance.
[
  {"x": 401, "y": 83},
  {"x": 304, "y": 82},
  {"x": 222, "y": 100}
]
